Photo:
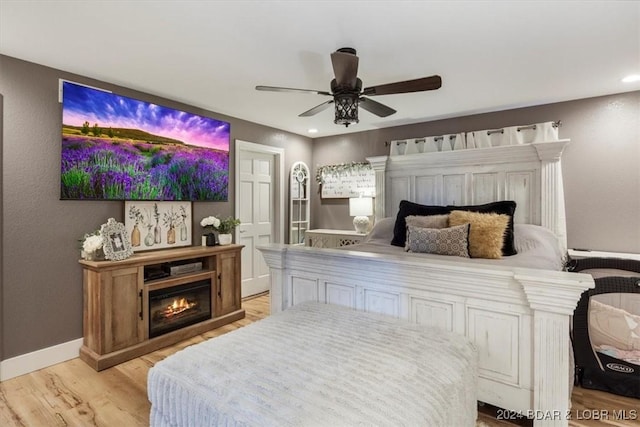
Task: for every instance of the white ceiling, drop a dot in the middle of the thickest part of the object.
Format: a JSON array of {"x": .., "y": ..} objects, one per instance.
[{"x": 492, "y": 55}]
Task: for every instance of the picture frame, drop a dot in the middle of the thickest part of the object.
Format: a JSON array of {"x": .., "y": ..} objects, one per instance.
[
  {"x": 147, "y": 144},
  {"x": 152, "y": 225},
  {"x": 115, "y": 242}
]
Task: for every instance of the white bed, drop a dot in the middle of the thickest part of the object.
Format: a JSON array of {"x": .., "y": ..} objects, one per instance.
[
  {"x": 319, "y": 365},
  {"x": 518, "y": 316}
]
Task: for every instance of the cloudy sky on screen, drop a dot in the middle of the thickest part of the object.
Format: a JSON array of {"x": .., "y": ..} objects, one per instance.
[{"x": 82, "y": 104}]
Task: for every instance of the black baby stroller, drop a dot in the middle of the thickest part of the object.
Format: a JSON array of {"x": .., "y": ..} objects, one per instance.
[{"x": 610, "y": 368}]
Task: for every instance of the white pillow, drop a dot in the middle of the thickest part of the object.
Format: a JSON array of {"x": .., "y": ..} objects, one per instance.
[{"x": 382, "y": 231}]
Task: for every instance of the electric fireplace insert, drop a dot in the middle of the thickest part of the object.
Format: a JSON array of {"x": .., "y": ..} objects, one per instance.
[{"x": 179, "y": 306}]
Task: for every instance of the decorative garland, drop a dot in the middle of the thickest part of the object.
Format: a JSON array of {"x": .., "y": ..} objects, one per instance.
[{"x": 340, "y": 169}]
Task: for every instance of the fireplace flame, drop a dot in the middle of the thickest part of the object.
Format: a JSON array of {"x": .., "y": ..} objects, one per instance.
[{"x": 179, "y": 305}]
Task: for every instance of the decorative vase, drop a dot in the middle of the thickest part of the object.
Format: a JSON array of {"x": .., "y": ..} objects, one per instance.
[
  {"x": 135, "y": 236},
  {"x": 171, "y": 235},
  {"x": 157, "y": 234},
  {"x": 97, "y": 255},
  {"x": 225, "y": 238},
  {"x": 148, "y": 239},
  {"x": 211, "y": 239},
  {"x": 183, "y": 231}
]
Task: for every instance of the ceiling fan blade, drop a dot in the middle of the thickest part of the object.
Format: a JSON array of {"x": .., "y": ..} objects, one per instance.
[
  {"x": 315, "y": 110},
  {"x": 345, "y": 67},
  {"x": 417, "y": 85},
  {"x": 288, "y": 89},
  {"x": 375, "y": 107}
]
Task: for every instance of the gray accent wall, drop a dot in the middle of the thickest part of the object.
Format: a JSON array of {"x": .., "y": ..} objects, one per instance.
[
  {"x": 41, "y": 280},
  {"x": 601, "y": 166},
  {"x": 41, "y": 288}
]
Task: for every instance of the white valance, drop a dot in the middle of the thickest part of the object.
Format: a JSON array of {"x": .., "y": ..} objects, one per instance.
[{"x": 512, "y": 135}]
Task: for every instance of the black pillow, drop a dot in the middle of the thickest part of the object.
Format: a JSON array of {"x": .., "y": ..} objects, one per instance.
[
  {"x": 406, "y": 208},
  {"x": 506, "y": 207}
]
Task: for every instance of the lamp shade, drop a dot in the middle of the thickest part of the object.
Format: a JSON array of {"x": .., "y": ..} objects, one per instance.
[{"x": 360, "y": 206}]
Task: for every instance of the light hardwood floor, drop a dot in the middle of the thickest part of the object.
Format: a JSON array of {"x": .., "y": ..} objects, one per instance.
[{"x": 73, "y": 394}]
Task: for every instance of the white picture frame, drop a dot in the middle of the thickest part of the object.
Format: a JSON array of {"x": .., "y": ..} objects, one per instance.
[
  {"x": 115, "y": 242},
  {"x": 158, "y": 225}
]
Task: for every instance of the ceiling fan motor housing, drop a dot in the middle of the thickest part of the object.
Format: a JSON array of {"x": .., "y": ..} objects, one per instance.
[{"x": 350, "y": 50}]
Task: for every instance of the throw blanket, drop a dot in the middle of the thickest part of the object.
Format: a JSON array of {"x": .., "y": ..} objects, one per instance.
[{"x": 318, "y": 365}]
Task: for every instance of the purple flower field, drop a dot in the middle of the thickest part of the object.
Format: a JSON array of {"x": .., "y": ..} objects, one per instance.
[{"x": 105, "y": 168}]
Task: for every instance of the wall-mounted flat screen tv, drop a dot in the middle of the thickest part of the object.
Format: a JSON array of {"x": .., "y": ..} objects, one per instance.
[{"x": 119, "y": 148}]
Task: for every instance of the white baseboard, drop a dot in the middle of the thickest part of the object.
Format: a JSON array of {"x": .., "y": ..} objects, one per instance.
[{"x": 39, "y": 359}]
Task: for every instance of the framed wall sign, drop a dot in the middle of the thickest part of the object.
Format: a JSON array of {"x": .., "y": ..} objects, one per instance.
[{"x": 347, "y": 180}]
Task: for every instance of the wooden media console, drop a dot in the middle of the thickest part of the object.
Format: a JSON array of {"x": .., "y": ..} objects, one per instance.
[{"x": 116, "y": 312}]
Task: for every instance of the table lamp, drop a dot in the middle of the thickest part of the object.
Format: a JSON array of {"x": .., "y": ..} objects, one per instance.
[{"x": 360, "y": 208}]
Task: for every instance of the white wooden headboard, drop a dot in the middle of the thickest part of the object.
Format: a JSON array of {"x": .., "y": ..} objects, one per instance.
[{"x": 529, "y": 174}]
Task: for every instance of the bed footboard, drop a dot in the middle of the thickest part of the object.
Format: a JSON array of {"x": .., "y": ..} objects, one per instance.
[{"x": 518, "y": 318}]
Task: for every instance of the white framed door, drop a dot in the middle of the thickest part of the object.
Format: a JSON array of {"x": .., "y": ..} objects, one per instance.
[{"x": 259, "y": 187}]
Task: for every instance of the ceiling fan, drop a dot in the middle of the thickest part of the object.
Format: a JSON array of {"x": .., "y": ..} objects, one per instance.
[{"x": 347, "y": 92}]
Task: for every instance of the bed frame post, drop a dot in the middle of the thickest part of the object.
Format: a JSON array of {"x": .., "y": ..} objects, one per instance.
[
  {"x": 552, "y": 211},
  {"x": 552, "y": 302},
  {"x": 379, "y": 165},
  {"x": 275, "y": 256}
]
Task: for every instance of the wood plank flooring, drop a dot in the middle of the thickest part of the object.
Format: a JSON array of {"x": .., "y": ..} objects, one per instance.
[{"x": 73, "y": 394}]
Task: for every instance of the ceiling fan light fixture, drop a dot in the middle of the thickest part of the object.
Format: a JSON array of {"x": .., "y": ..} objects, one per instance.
[{"x": 346, "y": 109}]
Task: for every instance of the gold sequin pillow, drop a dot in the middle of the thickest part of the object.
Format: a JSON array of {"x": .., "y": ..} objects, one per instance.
[
  {"x": 443, "y": 241},
  {"x": 486, "y": 235}
]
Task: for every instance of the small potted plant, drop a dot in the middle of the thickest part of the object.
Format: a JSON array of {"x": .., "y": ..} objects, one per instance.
[{"x": 225, "y": 228}]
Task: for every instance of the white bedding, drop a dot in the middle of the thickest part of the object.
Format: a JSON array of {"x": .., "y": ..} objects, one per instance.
[
  {"x": 537, "y": 247},
  {"x": 317, "y": 364}
]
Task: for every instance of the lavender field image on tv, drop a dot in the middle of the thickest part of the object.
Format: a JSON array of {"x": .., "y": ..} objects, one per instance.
[{"x": 119, "y": 148}]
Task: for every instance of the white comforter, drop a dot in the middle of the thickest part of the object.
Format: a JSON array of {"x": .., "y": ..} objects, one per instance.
[
  {"x": 537, "y": 248},
  {"x": 319, "y": 365}
]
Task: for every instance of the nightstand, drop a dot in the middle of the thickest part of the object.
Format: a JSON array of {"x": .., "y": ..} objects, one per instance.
[{"x": 325, "y": 238}]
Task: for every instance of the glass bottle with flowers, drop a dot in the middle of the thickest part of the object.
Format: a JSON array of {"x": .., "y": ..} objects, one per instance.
[
  {"x": 183, "y": 223},
  {"x": 210, "y": 224},
  {"x": 170, "y": 220},
  {"x": 136, "y": 215},
  {"x": 149, "y": 239},
  {"x": 157, "y": 231}
]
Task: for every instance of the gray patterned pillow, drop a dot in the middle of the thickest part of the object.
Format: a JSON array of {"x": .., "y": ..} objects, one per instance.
[{"x": 444, "y": 241}]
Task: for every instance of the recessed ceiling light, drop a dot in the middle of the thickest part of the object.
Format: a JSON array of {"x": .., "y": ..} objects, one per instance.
[
  {"x": 313, "y": 131},
  {"x": 632, "y": 78}
]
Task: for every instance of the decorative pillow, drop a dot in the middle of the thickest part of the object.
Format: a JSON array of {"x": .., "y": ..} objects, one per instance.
[
  {"x": 613, "y": 326},
  {"x": 486, "y": 235},
  {"x": 407, "y": 208},
  {"x": 444, "y": 241},
  {"x": 382, "y": 231},
  {"x": 505, "y": 207},
  {"x": 428, "y": 221}
]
